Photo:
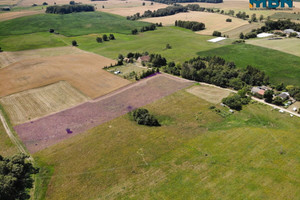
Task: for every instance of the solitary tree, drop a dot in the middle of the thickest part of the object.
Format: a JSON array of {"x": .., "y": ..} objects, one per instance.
[
  {"x": 261, "y": 17},
  {"x": 134, "y": 32},
  {"x": 15, "y": 177},
  {"x": 168, "y": 46},
  {"x": 72, "y": 2},
  {"x": 1, "y": 49},
  {"x": 99, "y": 39},
  {"x": 143, "y": 3},
  {"x": 45, "y": 4},
  {"x": 242, "y": 36},
  {"x": 74, "y": 43},
  {"x": 112, "y": 37},
  {"x": 105, "y": 38},
  {"x": 268, "y": 95},
  {"x": 51, "y": 30}
]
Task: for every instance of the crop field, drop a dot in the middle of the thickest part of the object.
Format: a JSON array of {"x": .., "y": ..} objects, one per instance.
[
  {"x": 283, "y": 15},
  {"x": 83, "y": 71},
  {"x": 235, "y": 33},
  {"x": 208, "y": 93},
  {"x": 52, "y": 129},
  {"x": 289, "y": 45},
  {"x": 17, "y": 14},
  {"x": 212, "y": 21},
  {"x": 185, "y": 43},
  {"x": 35, "y": 103},
  {"x": 279, "y": 66},
  {"x": 30, "y": 41},
  {"x": 70, "y": 24},
  {"x": 195, "y": 152},
  {"x": 7, "y": 58}
]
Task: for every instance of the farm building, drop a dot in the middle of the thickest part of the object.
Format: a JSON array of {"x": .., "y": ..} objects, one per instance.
[
  {"x": 260, "y": 90},
  {"x": 143, "y": 59},
  {"x": 284, "y": 95}
]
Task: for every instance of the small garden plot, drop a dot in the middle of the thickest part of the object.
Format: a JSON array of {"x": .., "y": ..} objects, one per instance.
[
  {"x": 127, "y": 71},
  {"x": 209, "y": 93}
]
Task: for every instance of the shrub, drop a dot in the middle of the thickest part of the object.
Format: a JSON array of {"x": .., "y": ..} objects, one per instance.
[
  {"x": 45, "y": 4},
  {"x": 105, "y": 38},
  {"x": 112, "y": 37},
  {"x": 233, "y": 102},
  {"x": 228, "y": 20},
  {"x": 277, "y": 101},
  {"x": 217, "y": 33},
  {"x": 99, "y": 39},
  {"x": 74, "y": 43},
  {"x": 51, "y": 30},
  {"x": 143, "y": 117}
]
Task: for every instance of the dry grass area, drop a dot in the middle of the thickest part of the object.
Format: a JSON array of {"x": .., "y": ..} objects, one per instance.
[
  {"x": 7, "y": 58},
  {"x": 212, "y": 21},
  {"x": 288, "y": 45},
  {"x": 35, "y": 103},
  {"x": 83, "y": 71},
  {"x": 12, "y": 15},
  {"x": 127, "y": 10},
  {"x": 235, "y": 33},
  {"x": 208, "y": 93},
  {"x": 8, "y": 2},
  {"x": 297, "y": 105}
]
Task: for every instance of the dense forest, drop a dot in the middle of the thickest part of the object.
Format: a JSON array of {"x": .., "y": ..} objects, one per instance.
[
  {"x": 66, "y": 9},
  {"x": 194, "y": 26},
  {"x": 185, "y": 1},
  {"x": 217, "y": 71}
]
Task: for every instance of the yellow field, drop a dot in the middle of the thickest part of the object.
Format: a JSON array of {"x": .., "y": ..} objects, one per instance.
[
  {"x": 212, "y": 21},
  {"x": 12, "y": 15},
  {"x": 288, "y": 45},
  {"x": 7, "y": 58},
  {"x": 209, "y": 93},
  {"x": 35, "y": 103},
  {"x": 83, "y": 71}
]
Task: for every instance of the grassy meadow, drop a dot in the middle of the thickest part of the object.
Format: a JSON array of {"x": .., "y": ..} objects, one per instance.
[
  {"x": 73, "y": 24},
  {"x": 280, "y": 66},
  {"x": 251, "y": 153}
]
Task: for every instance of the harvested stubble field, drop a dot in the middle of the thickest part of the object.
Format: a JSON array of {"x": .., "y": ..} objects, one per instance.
[
  {"x": 83, "y": 71},
  {"x": 213, "y": 21},
  {"x": 7, "y": 58},
  {"x": 288, "y": 45},
  {"x": 209, "y": 93},
  {"x": 17, "y": 14},
  {"x": 35, "y": 103},
  {"x": 235, "y": 33},
  {"x": 47, "y": 131}
]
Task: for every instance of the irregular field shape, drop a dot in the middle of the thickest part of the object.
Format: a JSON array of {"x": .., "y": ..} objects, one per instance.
[
  {"x": 49, "y": 130},
  {"x": 7, "y": 58},
  {"x": 289, "y": 45},
  {"x": 35, "y": 103},
  {"x": 213, "y": 21},
  {"x": 83, "y": 71},
  {"x": 209, "y": 93}
]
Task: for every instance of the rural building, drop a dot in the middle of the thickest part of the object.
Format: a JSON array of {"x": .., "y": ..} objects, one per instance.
[
  {"x": 260, "y": 90},
  {"x": 284, "y": 95},
  {"x": 143, "y": 59}
]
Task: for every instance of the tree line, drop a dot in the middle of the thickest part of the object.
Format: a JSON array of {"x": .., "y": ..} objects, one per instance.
[
  {"x": 185, "y": 1},
  {"x": 66, "y": 9},
  {"x": 151, "y": 27},
  {"x": 192, "y": 25}
]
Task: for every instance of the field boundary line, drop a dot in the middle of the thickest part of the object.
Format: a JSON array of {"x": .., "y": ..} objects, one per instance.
[{"x": 12, "y": 136}]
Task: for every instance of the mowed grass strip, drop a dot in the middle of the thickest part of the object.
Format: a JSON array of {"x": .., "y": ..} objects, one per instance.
[
  {"x": 279, "y": 66},
  {"x": 190, "y": 155},
  {"x": 7, "y": 148},
  {"x": 70, "y": 24}
]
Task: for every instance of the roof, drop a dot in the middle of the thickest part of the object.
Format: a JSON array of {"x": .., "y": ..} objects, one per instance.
[
  {"x": 289, "y": 31},
  {"x": 261, "y": 92},
  {"x": 284, "y": 95},
  {"x": 255, "y": 90},
  {"x": 144, "y": 58}
]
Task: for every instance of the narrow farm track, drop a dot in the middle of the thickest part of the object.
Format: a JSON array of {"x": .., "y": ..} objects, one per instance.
[{"x": 12, "y": 137}]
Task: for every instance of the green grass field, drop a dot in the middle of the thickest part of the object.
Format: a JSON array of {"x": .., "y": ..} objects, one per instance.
[
  {"x": 280, "y": 66},
  {"x": 252, "y": 154},
  {"x": 73, "y": 24},
  {"x": 285, "y": 15},
  {"x": 185, "y": 43},
  {"x": 30, "y": 41}
]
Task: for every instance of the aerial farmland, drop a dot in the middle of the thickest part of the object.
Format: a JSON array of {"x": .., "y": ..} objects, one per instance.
[{"x": 140, "y": 99}]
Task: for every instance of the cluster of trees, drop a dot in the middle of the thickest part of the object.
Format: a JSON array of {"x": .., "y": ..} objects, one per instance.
[
  {"x": 66, "y": 9},
  {"x": 16, "y": 177},
  {"x": 105, "y": 38},
  {"x": 147, "y": 73},
  {"x": 237, "y": 100},
  {"x": 157, "y": 60},
  {"x": 217, "y": 33},
  {"x": 242, "y": 15},
  {"x": 185, "y": 1},
  {"x": 151, "y": 27},
  {"x": 143, "y": 117},
  {"x": 194, "y": 26},
  {"x": 170, "y": 10},
  {"x": 280, "y": 25},
  {"x": 217, "y": 71}
]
